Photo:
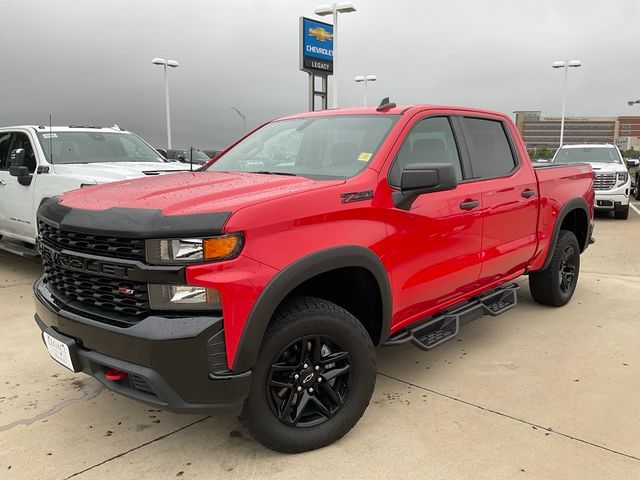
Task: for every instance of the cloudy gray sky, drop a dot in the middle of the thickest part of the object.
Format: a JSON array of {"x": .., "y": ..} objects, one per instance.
[{"x": 89, "y": 61}]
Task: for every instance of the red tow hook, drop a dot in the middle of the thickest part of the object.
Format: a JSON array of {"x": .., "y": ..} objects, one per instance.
[{"x": 113, "y": 375}]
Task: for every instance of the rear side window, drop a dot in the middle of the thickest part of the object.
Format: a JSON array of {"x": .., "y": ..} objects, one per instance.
[
  {"x": 5, "y": 140},
  {"x": 429, "y": 141},
  {"x": 491, "y": 153}
]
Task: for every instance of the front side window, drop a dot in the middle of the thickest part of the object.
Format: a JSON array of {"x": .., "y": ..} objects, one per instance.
[
  {"x": 314, "y": 147},
  {"x": 21, "y": 140},
  {"x": 95, "y": 147},
  {"x": 588, "y": 155},
  {"x": 430, "y": 141},
  {"x": 491, "y": 154}
]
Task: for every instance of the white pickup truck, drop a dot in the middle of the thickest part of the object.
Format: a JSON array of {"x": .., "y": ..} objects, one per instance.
[
  {"x": 82, "y": 156},
  {"x": 611, "y": 183}
]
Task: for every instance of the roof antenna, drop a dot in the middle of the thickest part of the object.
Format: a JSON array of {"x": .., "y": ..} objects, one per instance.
[
  {"x": 385, "y": 104},
  {"x": 50, "y": 142}
]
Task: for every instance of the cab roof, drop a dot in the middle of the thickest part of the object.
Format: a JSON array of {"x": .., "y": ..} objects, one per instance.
[
  {"x": 396, "y": 110},
  {"x": 66, "y": 128}
]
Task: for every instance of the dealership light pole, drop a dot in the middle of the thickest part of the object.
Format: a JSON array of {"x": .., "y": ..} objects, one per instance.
[
  {"x": 565, "y": 65},
  {"x": 365, "y": 80},
  {"x": 334, "y": 9},
  {"x": 244, "y": 119},
  {"x": 165, "y": 64}
]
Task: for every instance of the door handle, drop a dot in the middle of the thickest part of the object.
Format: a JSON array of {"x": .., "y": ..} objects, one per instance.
[
  {"x": 469, "y": 204},
  {"x": 2, "y": 182},
  {"x": 528, "y": 193}
]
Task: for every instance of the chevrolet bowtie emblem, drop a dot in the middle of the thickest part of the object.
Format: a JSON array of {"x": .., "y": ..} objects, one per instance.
[{"x": 320, "y": 34}]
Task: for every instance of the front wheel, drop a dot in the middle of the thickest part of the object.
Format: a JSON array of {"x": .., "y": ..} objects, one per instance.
[
  {"x": 555, "y": 285},
  {"x": 622, "y": 214},
  {"x": 314, "y": 377}
]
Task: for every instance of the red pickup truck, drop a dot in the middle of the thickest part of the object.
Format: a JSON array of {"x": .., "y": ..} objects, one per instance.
[{"x": 265, "y": 279}]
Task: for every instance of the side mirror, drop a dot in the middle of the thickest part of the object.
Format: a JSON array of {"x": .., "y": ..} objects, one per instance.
[
  {"x": 420, "y": 178},
  {"x": 181, "y": 158},
  {"x": 633, "y": 162},
  {"x": 18, "y": 169}
]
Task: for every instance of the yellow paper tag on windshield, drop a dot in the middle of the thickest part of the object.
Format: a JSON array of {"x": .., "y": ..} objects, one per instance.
[{"x": 364, "y": 156}]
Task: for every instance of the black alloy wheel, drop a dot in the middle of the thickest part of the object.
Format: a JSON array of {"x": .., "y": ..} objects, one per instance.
[
  {"x": 309, "y": 382},
  {"x": 567, "y": 269}
]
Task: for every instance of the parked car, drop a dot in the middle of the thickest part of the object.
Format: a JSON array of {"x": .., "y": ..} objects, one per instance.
[
  {"x": 82, "y": 156},
  {"x": 212, "y": 153},
  {"x": 266, "y": 284},
  {"x": 612, "y": 180},
  {"x": 185, "y": 156}
]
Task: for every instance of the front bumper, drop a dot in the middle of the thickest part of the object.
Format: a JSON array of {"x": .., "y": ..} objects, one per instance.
[
  {"x": 612, "y": 201},
  {"x": 176, "y": 364}
]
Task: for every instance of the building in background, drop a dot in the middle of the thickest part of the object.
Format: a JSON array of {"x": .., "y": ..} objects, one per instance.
[{"x": 544, "y": 132}]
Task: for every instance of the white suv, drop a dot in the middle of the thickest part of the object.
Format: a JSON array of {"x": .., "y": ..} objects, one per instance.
[
  {"x": 82, "y": 156},
  {"x": 612, "y": 183}
]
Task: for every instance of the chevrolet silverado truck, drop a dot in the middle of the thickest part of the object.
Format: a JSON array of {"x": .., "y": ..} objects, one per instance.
[
  {"x": 264, "y": 280},
  {"x": 612, "y": 181},
  {"x": 38, "y": 162}
]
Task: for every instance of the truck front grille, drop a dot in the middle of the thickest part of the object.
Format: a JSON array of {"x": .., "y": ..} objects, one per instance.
[
  {"x": 110, "y": 295},
  {"x": 130, "y": 248},
  {"x": 604, "y": 181}
]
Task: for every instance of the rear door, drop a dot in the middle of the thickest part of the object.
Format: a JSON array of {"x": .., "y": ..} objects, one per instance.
[
  {"x": 435, "y": 240},
  {"x": 16, "y": 201},
  {"x": 509, "y": 197}
]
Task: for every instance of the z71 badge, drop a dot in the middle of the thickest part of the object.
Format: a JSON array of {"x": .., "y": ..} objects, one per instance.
[{"x": 356, "y": 196}]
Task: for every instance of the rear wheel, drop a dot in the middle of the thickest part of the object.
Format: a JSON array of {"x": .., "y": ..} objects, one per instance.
[
  {"x": 314, "y": 377},
  {"x": 622, "y": 214},
  {"x": 555, "y": 285}
]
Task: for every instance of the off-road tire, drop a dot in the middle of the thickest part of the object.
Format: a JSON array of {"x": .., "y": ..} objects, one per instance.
[
  {"x": 300, "y": 318},
  {"x": 546, "y": 285}
]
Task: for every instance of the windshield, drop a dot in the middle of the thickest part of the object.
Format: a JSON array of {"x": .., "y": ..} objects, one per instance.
[
  {"x": 94, "y": 147},
  {"x": 588, "y": 155},
  {"x": 316, "y": 147}
]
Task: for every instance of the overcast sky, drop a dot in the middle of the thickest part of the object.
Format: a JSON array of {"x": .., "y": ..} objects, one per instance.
[{"x": 89, "y": 61}]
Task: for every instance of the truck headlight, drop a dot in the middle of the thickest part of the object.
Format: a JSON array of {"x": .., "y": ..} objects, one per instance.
[
  {"x": 183, "y": 297},
  {"x": 181, "y": 251},
  {"x": 623, "y": 176}
]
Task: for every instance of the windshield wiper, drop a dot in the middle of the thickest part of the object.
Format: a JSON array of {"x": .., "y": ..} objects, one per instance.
[{"x": 267, "y": 172}]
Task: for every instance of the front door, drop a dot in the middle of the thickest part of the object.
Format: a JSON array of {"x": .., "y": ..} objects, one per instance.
[
  {"x": 435, "y": 241},
  {"x": 16, "y": 201}
]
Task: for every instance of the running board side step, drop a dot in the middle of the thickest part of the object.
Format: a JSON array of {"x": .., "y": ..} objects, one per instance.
[
  {"x": 446, "y": 325},
  {"x": 18, "y": 249}
]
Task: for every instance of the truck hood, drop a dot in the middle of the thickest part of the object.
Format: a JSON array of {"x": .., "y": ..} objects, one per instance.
[
  {"x": 191, "y": 193},
  {"x": 608, "y": 167},
  {"x": 112, "y": 171}
]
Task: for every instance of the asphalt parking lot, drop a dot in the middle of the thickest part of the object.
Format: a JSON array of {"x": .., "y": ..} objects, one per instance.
[{"x": 535, "y": 393}]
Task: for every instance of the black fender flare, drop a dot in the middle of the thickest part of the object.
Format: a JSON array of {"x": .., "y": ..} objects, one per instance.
[
  {"x": 571, "y": 205},
  {"x": 295, "y": 274}
]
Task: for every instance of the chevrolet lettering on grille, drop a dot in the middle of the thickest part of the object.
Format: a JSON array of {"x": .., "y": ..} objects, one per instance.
[{"x": 82, "y": 264}]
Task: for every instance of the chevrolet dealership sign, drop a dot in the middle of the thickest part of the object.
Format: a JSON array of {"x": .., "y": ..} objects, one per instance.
[{"x": 316, "y": 47}]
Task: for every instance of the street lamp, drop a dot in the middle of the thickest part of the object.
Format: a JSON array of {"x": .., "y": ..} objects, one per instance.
[
  {"x": 244, "y": 119},
  {"x": 565, "y": 65},
  {"x": 165, "y": 64},
  {"x": 365, "y": 80},
  {"x": 334, "y": 9}
]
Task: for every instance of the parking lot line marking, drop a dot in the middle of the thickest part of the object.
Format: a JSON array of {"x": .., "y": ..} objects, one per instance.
[
  {"x": 511, "y": 417},
  {"x": 634, "y": 208}
]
